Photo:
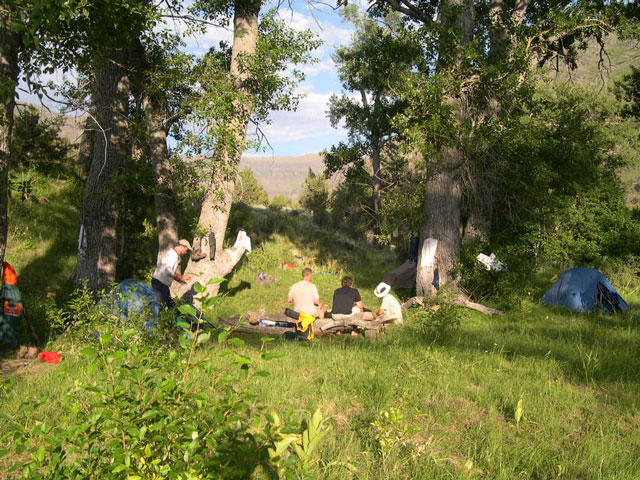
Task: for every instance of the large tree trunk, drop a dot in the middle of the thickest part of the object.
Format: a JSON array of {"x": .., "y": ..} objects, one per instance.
[
  {"x": 166, "y": 218},
  {"x": 97, "y": 250},
  {"x": 9, "y": 70},
  {"x": 443, "y": 192},
  {"x": 85, "y": 146},
  {"x": 443, "y": 189},
  {"x": 155, "y": 117},
  {"x": 376, "y": 179},
  {"x": 218, "y": 198}
]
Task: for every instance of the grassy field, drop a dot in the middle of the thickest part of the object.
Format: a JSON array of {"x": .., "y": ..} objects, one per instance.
[{"x": 536, "y": 393}]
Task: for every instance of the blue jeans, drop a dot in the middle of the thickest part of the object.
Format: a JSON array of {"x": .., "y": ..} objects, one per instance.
[{"x": 163, "y": 294}]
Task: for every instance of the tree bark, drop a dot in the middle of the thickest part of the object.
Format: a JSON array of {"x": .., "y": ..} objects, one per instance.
[
  {"x": 218, "y": 198},
  {"x": 376, "y": 179},
  {"x": 166, "y": 218},
  {"x": 156, "y": 142},
  {"x": 443, "y": 192},
  {"x": 9, "y": 71},
  {"x": 85, "y": 147},
  {"x": 100, "y": 206},
  {"x": 443, "y": 189}
]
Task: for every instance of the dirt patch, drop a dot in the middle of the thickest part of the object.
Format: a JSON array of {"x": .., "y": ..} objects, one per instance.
[{"x": 22, "y": 366}]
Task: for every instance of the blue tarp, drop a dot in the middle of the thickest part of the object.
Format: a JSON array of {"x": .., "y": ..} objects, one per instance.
[
  {"x": 131, "y": 296},
  {"x": 577, "y": 290}
]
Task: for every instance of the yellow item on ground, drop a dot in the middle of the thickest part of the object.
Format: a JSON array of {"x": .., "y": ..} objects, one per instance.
[{"x": 304, "y": 324}]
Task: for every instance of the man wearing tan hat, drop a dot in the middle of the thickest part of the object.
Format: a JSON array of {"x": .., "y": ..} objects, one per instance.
[{"x": 166, "y": 273}]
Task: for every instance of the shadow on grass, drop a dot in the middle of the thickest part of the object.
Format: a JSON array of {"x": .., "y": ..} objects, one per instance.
[
  {"x": 329, "y": 246},
  {"x": 43, "y": 273}
]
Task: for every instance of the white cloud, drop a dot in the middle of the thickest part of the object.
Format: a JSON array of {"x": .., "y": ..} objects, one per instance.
[{"x": 309, "y": 121}]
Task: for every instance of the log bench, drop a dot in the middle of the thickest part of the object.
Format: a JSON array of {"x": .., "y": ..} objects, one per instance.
[{"x": 249, "y": 323}]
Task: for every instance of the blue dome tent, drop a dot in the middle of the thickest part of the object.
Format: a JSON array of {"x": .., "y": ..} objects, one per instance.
[
  {"x": 584, "y": 290},
  {"x": 131, "y": 296}
]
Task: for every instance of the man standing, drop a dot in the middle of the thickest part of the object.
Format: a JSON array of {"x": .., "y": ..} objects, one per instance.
[
  {"x": 305, "y": 297},
  {"x": 346, "y": 298},
  {"x": 166, "y": 273}
]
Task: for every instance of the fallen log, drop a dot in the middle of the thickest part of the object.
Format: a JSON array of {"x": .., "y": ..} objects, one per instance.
[
  {"x": 249, "y": 322},
  {"x": 460, "y": 300},
  {"x": 248, "y": 328}
]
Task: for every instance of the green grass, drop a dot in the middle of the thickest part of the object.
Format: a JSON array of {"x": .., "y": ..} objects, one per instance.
[{"x": 408, "y": 404}]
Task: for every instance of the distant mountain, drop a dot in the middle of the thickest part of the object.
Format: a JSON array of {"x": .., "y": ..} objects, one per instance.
[{"x": 283, "y": 175}]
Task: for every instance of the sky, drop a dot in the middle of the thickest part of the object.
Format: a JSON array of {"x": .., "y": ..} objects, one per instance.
[{"x": 306, "y": 130}]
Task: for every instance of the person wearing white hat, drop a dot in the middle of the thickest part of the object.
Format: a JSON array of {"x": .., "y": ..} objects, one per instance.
[
  {"x": 390, "y": 306},
  {"x": 166, "y": 272}
]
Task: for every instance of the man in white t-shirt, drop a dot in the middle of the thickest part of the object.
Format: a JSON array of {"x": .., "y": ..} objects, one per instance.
[
  {"x": 305, "y": 297},
  {"x": 390, "y": 306},
  {"x": 167, "y": 271}
]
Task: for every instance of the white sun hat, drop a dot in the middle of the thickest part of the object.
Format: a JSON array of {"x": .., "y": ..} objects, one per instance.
[{"x": 382, "y": 289}]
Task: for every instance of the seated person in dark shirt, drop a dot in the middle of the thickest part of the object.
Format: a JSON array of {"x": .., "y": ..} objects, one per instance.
[{"x": 346, "y": 298}]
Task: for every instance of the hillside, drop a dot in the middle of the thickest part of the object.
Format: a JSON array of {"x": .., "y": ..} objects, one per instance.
[
  {"x": 283, "y": 175},
  {"x": 598, "y": 68}
]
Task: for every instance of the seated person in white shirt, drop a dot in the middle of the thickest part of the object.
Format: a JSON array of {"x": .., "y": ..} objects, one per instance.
[{"x": 390, "y": 306}]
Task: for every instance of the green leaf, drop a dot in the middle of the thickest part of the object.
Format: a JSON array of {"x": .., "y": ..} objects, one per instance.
[
  {"x": 188, "y": 310},
  {"x": 272, "y": 355},
  {"x": 519, "y": 411},
  {"x": 242, "y": 360},
  {"x": 199, "y": 288},
  {"x": 267, "y": 339},
  {"x": 89, "y": 352},
  {"x": 149, "y": 414},
  {"x": 203, "y": 337},
  {"x": 213, "y": 281},
  {"x": 222, "y": 336},
  {"x": 39, "y": 455},
  {"x": 237, "y": 342}
]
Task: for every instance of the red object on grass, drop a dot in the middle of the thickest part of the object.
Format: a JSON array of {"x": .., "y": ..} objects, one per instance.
[
  {"x": 286, "y": 265},
  {"x": 50, "y": 357}
]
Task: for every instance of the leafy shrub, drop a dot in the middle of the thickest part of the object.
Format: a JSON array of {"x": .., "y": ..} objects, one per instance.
[
  {"x": 139, "y": 411},
  {"x": 436, "y": 320},
  {"x": 480, "y": 283}
]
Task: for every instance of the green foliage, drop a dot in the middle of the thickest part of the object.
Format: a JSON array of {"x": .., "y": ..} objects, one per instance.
[
  {"x": 248, "y": 190},
  {"x": 36, "y": 143},
  {"x": 272, "y": 71},
  {"x": 628, "y": 90},
  {"x": 315, "y": 197},
  {"x": 129, "y": 410},
  {"x": 379, "y": 55},
  {"x": 83, "y": 308},
  {"x": 437, "y": 320},
  {"x": 561, "y": 199},
  {"x": 281, "y": 201},
  {"x": 350, "y": 203}
]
